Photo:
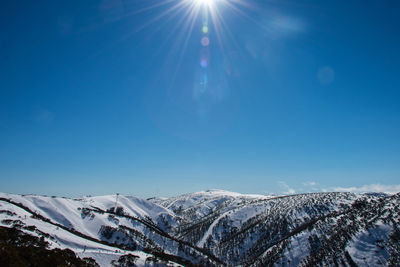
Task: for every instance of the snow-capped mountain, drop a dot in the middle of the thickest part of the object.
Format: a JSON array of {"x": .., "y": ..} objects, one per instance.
[{"x": 215, "y": 228}]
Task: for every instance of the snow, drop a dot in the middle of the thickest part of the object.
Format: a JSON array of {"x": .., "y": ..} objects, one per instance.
[
  {"x": 298, "y": 249},
  {"x": 366, "y": 248},
  {"x": 63, "y": 239},
  {"x": 211, "y": 213}
]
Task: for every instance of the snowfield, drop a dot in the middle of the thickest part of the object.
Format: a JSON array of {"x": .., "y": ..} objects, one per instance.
[{"x": 216, "y": 228}]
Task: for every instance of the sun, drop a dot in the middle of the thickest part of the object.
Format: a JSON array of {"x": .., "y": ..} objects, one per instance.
[
  {"x": 190, "y": 12},
  {"x": 205, "y": 3}
]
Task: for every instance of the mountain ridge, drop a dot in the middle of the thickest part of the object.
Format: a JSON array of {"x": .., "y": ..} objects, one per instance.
[{"x": 214, "y": 227}]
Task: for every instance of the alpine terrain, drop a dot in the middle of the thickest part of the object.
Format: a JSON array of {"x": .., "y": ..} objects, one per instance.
[{"x": 208, "y": 228}]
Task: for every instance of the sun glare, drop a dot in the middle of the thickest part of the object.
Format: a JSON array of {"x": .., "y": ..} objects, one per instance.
[
  {"x": 190, "y": 12},
  {"x": 206, "y": 3}
]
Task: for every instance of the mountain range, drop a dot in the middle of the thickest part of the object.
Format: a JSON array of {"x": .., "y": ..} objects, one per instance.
[{"x": 208, "y": 228}]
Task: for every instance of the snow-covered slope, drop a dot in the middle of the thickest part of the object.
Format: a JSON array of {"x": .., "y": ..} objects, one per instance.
[
  {"x": 64, "y": 224},
  {"x": 216, "y": 227}
]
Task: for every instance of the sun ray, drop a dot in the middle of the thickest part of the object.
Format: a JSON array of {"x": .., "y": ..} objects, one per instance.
[
  {"x": 194, "y": 13},
  {"x": 186, "y": 13},
  {"x": 143, "y": 9}
]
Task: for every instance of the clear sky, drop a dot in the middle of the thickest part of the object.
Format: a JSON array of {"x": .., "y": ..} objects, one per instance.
[{"x": 163, "y": 97}]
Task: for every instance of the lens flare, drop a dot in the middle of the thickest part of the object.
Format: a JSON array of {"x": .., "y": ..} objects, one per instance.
[
  {"x": 205, "y": 41},
  {"x": 203, "y": 63}
]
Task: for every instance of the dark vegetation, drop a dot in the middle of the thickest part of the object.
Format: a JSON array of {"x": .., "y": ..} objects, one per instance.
[
  {"x": 125, "y": 261},
  {"x": 20, "y": 249}
]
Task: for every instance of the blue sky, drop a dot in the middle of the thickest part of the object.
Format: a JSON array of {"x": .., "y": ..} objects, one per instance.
[{"x": 98, "y": 97}]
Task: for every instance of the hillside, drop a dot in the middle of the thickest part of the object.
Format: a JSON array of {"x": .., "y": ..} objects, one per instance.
[{"x": 215, "y": 228}]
